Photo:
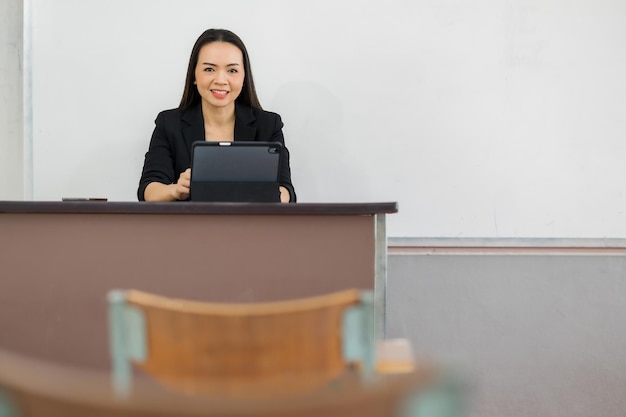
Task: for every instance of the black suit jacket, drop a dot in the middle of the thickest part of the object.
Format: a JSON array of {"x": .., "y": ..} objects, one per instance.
[{"x": 169, "y": 153}]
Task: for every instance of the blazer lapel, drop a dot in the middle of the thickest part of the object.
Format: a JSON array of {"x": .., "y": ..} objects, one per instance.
[
  {"x": 244, "y": 123},
  {"x": 193, "y": 125}
]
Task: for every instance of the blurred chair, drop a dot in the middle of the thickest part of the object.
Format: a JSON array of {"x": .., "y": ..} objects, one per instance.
[
  {"x": 241, "y": 350},
  {"x": 34, "y": 388}
]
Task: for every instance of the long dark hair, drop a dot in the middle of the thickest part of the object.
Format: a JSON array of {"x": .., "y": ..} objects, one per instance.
[{"x": 190, "y": 93}]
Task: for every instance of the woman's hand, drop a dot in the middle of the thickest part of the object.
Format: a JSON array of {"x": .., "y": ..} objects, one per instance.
[
  {"x": 180, "y": 190},
  {"x": 284, "y": 195},
  {"x": 156, "y": 191}
]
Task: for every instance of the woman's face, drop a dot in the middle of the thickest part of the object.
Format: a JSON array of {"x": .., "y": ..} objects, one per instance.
[{"x": 219, "y": 73}]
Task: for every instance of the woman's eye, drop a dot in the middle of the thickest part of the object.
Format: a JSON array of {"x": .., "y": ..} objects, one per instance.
[
  {"x": 233, "y": 71},
  {"x": 208, "y": 69}
]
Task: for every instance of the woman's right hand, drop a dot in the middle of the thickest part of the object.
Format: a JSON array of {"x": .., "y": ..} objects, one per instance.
[{"x": 180, "y": 190}]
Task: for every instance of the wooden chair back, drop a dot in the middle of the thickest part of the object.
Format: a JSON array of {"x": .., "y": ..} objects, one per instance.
[{"x": 241, "y": 350}]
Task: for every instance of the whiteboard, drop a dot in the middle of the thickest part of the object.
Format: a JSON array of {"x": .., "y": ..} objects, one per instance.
[{"x": 487, "y": 118}]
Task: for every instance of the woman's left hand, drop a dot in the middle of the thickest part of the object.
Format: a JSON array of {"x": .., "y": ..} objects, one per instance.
[{"x": 284, "y": 195}]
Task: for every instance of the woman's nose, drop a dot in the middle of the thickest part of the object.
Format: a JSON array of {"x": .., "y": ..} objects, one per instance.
[{"x": 220, "y": 77}]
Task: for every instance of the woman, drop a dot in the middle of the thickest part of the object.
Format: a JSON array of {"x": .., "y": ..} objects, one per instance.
[{"x": 219, "y": 103}]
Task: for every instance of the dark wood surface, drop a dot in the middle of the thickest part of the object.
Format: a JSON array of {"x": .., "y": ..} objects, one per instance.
[{"x": 182, "y": 207}]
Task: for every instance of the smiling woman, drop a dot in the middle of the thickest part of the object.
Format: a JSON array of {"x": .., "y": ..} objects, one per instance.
[{"x": 220, "y": 104}]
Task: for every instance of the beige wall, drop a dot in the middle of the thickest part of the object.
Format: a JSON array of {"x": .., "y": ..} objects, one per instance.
[{"x": 11, "y": 126}]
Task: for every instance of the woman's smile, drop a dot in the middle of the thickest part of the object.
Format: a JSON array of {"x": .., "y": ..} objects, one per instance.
[{"x": 220, "y": 94}]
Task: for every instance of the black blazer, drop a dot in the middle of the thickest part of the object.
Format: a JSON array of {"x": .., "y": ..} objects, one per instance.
[{"x": 169, "y": 153}]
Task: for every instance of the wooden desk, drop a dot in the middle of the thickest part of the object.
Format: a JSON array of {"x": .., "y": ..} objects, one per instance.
[
  {"x": 50, "y": 390},
  {"x": 58, "y": 260}
]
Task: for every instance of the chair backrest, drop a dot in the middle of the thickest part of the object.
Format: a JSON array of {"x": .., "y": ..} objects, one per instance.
[
  {"x": 240, "y": 350},
  {"x": 33, "y": 388}
]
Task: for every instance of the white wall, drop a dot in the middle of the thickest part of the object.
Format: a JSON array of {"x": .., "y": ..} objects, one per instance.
[
  {"x": 487, "y": 118},
  {"x": 11, "y": 145}
]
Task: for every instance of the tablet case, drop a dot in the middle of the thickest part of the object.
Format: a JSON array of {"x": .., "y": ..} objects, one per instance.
[{"x": 235, "y": 172}]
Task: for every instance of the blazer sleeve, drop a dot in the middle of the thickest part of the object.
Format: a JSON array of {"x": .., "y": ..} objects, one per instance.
[
  {"x": 284, "y": 175},
  {"x": 159, "y": 162}
]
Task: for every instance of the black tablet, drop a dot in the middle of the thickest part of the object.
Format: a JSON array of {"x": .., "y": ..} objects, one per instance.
[{"x": 235, "y": 171}]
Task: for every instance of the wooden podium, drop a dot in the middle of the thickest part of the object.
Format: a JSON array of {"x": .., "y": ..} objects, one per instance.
[{"x": 59, "y": 259}]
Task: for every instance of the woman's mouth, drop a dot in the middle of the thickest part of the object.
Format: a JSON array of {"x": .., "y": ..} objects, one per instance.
[{"x": 219, "y": 93}]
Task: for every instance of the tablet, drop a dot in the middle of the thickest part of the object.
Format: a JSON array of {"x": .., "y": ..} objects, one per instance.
[{"x": 235, "y": 172}]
